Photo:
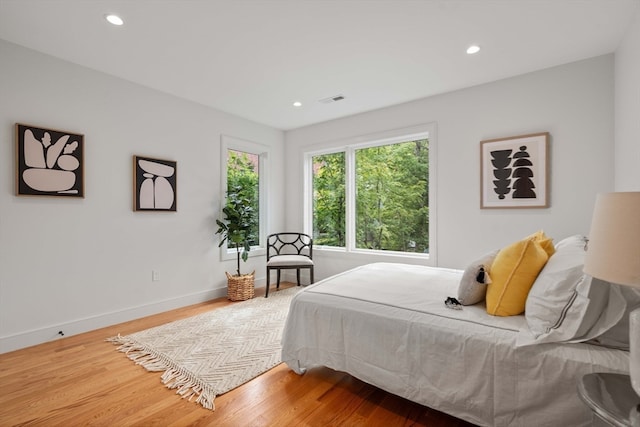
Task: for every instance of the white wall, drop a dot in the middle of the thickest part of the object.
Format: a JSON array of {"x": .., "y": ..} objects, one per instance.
[
  {"x": 78, "y": 264},
  {"x": 627, "y": 110},
  {"x": 573, "y": 102}
]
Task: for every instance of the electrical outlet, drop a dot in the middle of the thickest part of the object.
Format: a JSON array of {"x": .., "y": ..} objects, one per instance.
[{"x": 155, "y": 276}]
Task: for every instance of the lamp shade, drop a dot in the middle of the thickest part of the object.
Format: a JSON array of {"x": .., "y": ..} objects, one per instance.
[{"x": 613, "y": 251}]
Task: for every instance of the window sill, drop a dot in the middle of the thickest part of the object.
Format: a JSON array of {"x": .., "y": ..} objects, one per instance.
[{"x": 226, "y": 255}]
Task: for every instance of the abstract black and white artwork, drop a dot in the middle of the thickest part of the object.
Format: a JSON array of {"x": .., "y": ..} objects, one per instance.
[
  {"x": 514, "y": 172},
  {"x": 154, "y": 184},
  {"x": 49, "y": 162}
]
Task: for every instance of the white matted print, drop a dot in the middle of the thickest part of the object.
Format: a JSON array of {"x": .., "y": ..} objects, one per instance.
[{"x": 514, "y": 172}]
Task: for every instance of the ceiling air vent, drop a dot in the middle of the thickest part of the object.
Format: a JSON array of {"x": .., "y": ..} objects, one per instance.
[{"x": 331, "y": 99}]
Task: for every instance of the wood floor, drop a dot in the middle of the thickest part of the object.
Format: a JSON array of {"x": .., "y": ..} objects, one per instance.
[{"x": 82, "y": 380}]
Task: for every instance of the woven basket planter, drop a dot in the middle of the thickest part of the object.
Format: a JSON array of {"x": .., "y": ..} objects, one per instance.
[{"x": 240, "y": 288}]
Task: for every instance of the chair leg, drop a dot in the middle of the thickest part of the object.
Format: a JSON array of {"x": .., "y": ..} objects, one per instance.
[
  {"x": 311, "y": 274},
  {"x": 266, "y": 292},
  {"x": 278, "y": 285},
  {"x": 298, "y": 275}
]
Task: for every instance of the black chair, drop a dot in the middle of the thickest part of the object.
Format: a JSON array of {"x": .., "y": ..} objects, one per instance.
[{"x": 286, "y": 251}]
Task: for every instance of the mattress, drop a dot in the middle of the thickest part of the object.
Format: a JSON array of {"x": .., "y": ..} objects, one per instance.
[{"x": 387, "y": 324}]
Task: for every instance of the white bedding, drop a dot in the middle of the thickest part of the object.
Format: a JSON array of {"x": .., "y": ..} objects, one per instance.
[{"x": 387, "y": 325}]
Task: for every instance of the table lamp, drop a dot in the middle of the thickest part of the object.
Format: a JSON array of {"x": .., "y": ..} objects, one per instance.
[{"x": 613, "y": 255}]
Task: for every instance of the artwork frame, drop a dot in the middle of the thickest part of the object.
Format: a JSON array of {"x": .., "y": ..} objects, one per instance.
[
  {"x": 48, "y": 162},
  {"x": 155, "y": 184},
  {"x": 514, "y": 172}
]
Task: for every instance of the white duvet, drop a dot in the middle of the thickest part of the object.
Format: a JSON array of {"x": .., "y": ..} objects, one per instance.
[{"x": 387, "y": 325}]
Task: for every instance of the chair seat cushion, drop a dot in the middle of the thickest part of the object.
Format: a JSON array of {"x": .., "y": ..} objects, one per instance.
[{"x": 289, "y": 260}]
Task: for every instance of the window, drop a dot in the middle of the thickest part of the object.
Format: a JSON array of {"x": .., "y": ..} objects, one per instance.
[
  {"x": 392, "y": 197},
  {"x": 329, "y": 200},
  {"x": 244, "y": 166},
  {"x": 243, "y": 178},
  {"x": 373, "y": 196}
]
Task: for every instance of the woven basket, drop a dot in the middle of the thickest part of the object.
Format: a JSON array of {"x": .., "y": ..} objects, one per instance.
[{"x": 240, "y": 288}]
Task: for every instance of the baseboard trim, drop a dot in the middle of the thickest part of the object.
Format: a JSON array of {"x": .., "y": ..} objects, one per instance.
[{"x": 38, "y": 336}]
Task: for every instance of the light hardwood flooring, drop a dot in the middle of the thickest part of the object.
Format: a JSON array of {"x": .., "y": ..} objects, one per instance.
[{"x": 82, "y": 380}]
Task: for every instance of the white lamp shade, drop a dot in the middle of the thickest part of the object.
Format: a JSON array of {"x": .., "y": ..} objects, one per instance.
[{"x": 613, "y": 251}]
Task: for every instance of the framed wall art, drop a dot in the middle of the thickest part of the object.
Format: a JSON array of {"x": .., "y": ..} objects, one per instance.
[
  {"x": 49, "y": 162},
  {"x": 154, "y": 184},
  {"x": 514, "y": 172}
]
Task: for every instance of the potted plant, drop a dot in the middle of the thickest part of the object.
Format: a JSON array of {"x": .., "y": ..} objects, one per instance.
[{"x": 235, "y": 228}]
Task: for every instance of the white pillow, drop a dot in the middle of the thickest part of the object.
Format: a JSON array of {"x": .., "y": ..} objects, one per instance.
[
  {"x": 470, "y": 290},
  {"x": 606, "y": 307},
  {"x": 554, "y": 307},
  {"x": 563, "y": 306},
  {"x": 617, "y": 336}
]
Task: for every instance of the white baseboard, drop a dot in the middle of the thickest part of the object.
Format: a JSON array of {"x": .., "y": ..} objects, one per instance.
[{"x": 50, "y": 333}]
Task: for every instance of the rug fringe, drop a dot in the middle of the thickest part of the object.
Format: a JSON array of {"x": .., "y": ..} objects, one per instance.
[{"x": 185, "y": 384}]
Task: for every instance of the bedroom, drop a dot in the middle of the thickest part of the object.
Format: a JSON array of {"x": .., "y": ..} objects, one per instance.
[{"x": 85, "y": 264}]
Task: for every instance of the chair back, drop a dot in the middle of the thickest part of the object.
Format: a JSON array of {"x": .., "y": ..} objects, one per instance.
[{"x": 289, "y": 243}]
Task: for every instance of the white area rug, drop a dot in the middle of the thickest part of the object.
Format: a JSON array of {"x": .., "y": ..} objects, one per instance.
[{"x": 214, "y": 352}]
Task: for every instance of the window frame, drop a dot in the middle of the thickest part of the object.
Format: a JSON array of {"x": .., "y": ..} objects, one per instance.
[
  {"x": 262, "y": 151},
  {"x": 349, "y": 147}
]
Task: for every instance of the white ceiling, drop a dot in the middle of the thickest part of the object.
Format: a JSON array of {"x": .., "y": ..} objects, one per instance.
[{"x": 253, "y": 58}]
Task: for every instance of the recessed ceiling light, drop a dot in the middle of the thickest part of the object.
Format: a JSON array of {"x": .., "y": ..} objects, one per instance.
[
  {"x": 473, "y": 49},
  {"x": 297, "y": 104},
  {"x": 114, "y": 19}
]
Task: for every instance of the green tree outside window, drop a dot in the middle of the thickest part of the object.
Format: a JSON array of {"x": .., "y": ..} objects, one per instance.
[
  {"x": 391, "y": 197},
  {"x": 243, "y": 179}
]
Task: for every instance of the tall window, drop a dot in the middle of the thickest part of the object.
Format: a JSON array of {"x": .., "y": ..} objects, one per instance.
[
  {"x": 243, "y": 178},
  {"x": 244, "y": 171},
  {"x": 329, "y": 200},
  {"x": 373, "y": 196}
]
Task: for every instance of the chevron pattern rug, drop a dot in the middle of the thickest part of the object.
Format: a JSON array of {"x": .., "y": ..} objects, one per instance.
[{"x": 214, "y": 352}]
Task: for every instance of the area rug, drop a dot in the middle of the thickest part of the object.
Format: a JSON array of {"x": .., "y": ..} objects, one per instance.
[{"x": 212, "y": 353}]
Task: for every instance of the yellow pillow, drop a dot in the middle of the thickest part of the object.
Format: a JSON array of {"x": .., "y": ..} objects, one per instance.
[
  {"x": 513, "y": 272},
  {"x": 545, "y": 241}
]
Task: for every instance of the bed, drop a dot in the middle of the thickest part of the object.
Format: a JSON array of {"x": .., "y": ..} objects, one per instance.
[{"x": 387, "y": 324}]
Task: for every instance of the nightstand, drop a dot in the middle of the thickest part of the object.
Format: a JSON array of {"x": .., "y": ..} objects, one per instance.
[{"x": 611, "y": 398}]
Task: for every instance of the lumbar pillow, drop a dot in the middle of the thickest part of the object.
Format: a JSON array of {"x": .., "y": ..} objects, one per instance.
[
  {"x": 512, "y": 273},
  {"x": 473, "y": 285}
]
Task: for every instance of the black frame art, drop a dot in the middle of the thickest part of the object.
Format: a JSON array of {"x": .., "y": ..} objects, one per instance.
[
  {"x": 154, "y": 184},
  {"x": 514, "y": 172},
  {"x": 48, "y": 162}
]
